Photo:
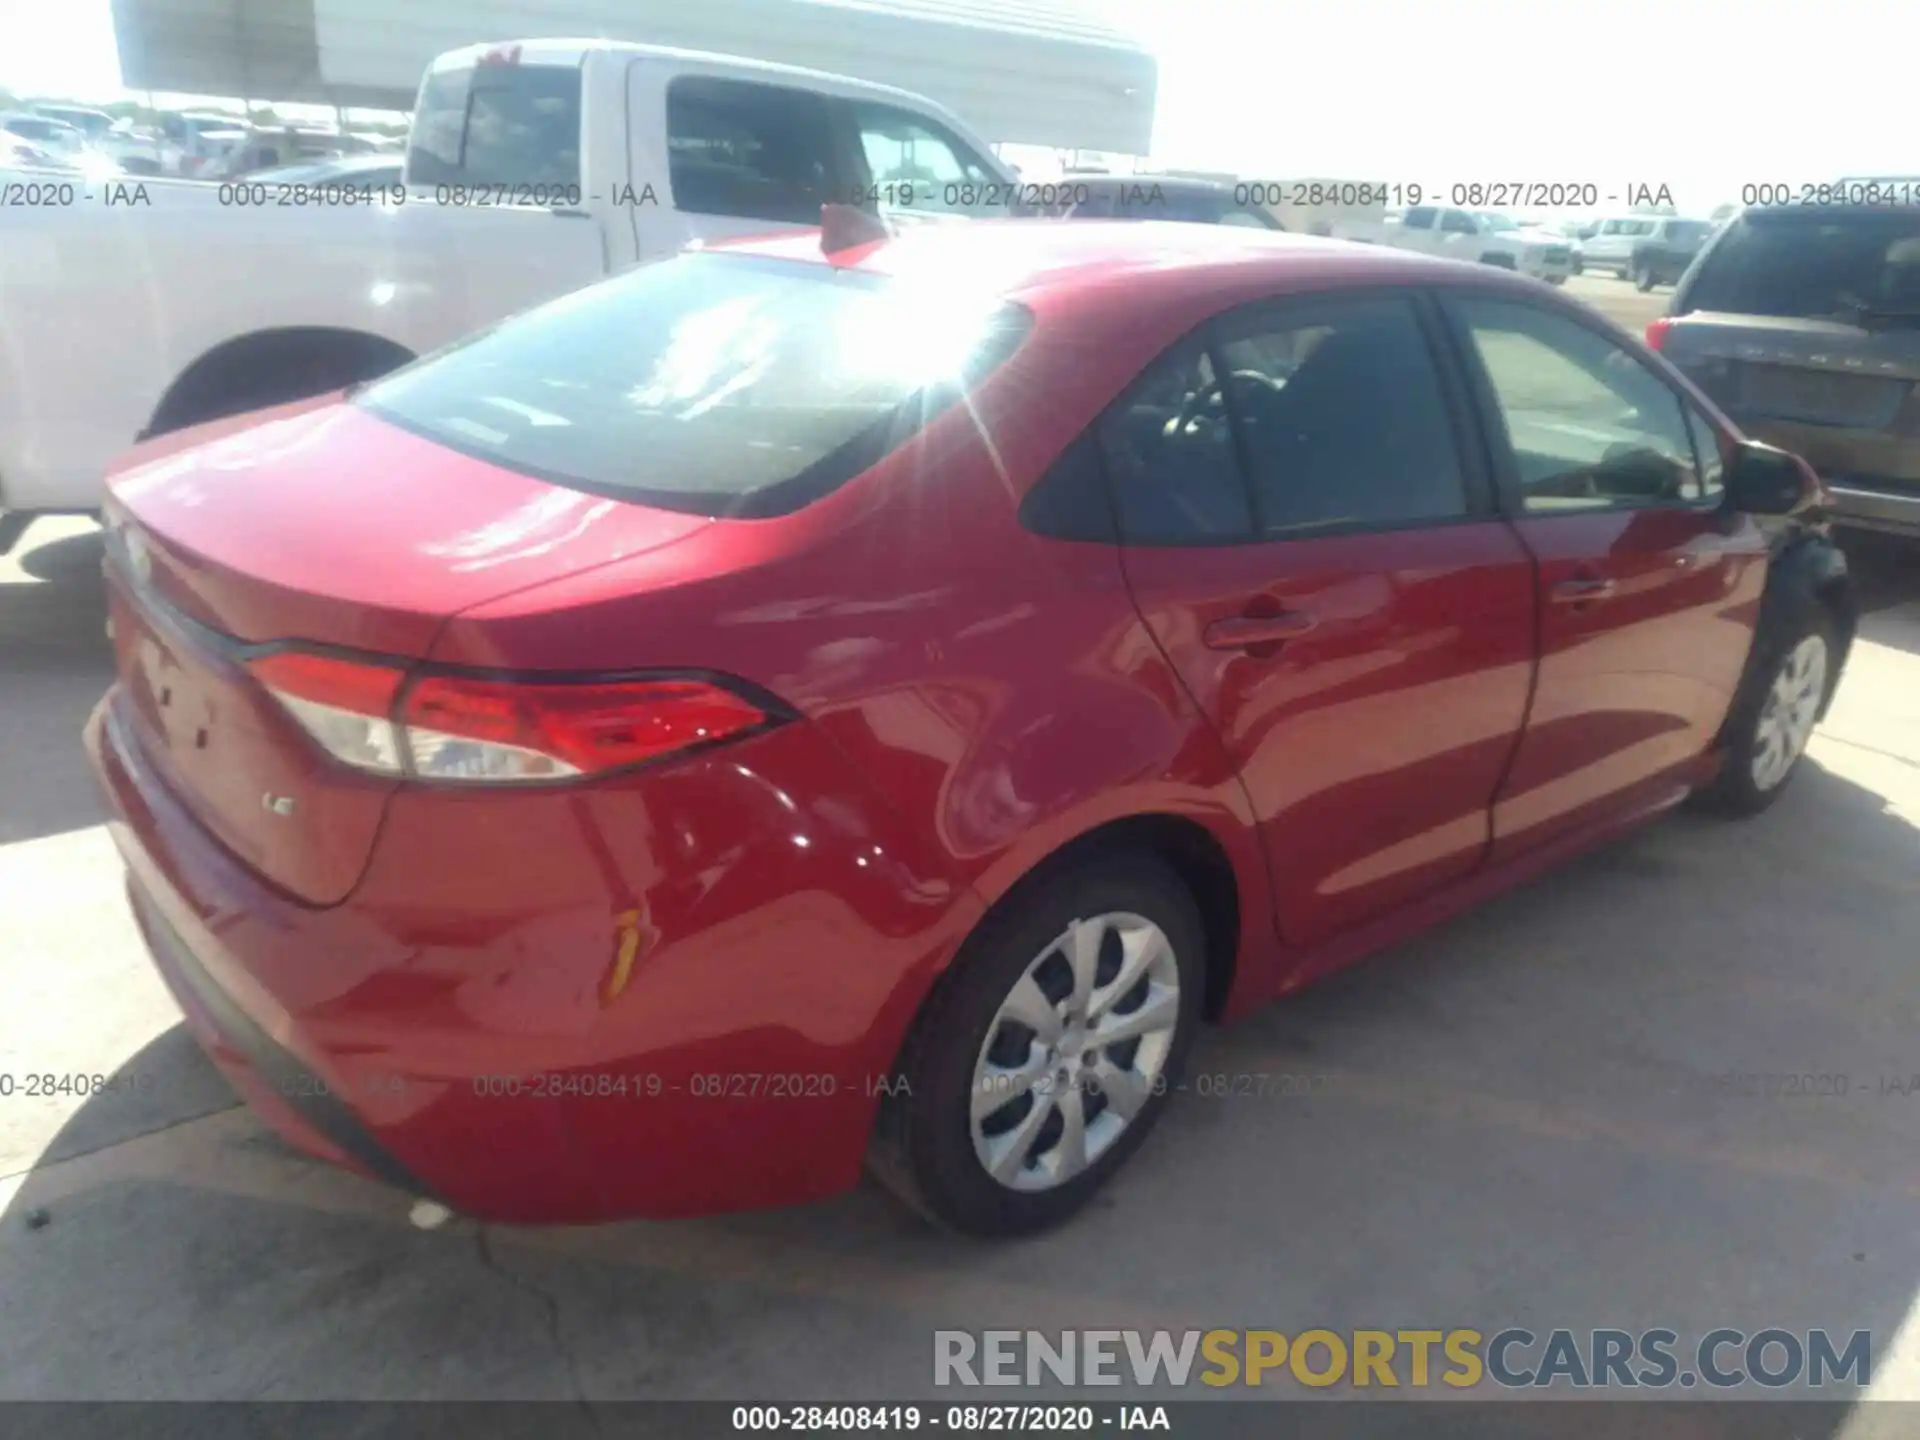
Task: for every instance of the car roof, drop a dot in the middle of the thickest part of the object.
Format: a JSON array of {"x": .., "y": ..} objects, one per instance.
[{"x": 1037, "y": 260}]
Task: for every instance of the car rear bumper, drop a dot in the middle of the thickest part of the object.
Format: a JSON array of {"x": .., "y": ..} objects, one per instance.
[{"x": 486, "y": 1045}]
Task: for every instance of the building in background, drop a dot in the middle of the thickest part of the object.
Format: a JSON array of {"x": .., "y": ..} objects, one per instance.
[{"x": 1037, "y": 73}]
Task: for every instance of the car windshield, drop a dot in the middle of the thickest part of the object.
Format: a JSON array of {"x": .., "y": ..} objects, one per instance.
[
  {"x": 1806, "y": 263},
  {"x": 714, "y": 384}
]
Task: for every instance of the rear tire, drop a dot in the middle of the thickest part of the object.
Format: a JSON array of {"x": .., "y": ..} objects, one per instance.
[
  {"x": 932, "y": 1144},
  {"x": 1643, "y": 278},
  {"x": 1788, "y": 682}
]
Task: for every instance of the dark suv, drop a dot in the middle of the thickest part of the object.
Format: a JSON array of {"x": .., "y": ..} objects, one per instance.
[
  {"x": 1803, "y": 322},
  {"x": 1663, "y": 257}
]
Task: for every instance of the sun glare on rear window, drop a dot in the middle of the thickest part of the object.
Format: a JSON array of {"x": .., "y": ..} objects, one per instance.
[{"x": 718, "y": 384}]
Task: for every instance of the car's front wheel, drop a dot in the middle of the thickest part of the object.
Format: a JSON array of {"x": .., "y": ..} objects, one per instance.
[
  {"x": 1773, "y": 717},
  {"x": 1643, "y": 277},
  {"x": 1045, "y": 1055}
]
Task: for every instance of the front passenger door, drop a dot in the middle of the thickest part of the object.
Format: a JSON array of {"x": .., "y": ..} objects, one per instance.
[{"x": 1648, "y": 583}]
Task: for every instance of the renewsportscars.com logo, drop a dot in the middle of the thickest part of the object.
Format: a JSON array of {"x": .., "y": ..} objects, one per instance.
[{"x": 1459, "y": 1359}]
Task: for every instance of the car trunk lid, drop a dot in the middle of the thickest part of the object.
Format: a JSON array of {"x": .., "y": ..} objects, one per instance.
[{"x": 315, "y": 526}]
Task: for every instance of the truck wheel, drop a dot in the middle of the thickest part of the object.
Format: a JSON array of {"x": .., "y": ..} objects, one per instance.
[
  {"x": 273, "y": 368},
  {"x": 1047, "y": 1052},
  {"x": 1780, "y": 700}
]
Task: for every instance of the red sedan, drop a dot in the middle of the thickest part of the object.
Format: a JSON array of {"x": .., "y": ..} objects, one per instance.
[{"x": 778, "y": 711}]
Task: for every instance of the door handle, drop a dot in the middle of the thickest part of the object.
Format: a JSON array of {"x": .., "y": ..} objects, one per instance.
[
  {"x": 1247, "y": 632},
  {"x": 1583, "y": 589}
]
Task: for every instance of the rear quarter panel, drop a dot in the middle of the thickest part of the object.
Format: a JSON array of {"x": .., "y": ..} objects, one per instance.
[{"x": 997, "y": 690}]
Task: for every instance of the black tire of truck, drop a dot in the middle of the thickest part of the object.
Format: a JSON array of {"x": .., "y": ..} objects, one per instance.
[{"x": 273, "y": 369}]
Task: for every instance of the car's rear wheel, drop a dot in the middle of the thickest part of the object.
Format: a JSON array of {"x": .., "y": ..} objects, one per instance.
[
  {"x": 1773, "y": 717},
  {"x": 1044, "y": 1057}
]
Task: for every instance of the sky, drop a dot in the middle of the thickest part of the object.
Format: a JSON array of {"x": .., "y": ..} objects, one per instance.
[{"x": 1698, "y": 95}]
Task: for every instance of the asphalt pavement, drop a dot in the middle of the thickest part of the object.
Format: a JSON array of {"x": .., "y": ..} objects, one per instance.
[{"x": 1513, "y": 1120}]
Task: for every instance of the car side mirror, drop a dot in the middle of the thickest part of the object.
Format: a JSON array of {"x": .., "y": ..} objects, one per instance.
[{"x": 1765, "y": 480}]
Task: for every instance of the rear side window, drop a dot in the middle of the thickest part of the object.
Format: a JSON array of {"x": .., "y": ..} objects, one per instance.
[
  {"x": 1420, "y": 217},
  {"x": 1805, "y": 263},
  {"x": 491, "y": 125},
  {"x": 712, "y": 384},
  {"x": 1170, "y": 456},
  {"x": 757, "y": 152}
]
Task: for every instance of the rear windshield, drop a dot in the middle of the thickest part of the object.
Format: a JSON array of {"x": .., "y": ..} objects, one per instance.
[
  {"x": 1812, "y": 264},
  {"x": 497, "y": 125},
  {"x": 713, "y": 384}
]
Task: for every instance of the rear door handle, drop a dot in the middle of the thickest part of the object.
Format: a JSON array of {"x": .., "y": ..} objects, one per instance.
[
  {"x": 1583, "y": 589},
  {"x": 1245, "y": 632}
]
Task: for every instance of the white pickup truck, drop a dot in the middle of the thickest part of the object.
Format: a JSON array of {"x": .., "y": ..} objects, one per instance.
[
  {"x": 134, "y": 307},
  {"x": 1479, "y": 235}
]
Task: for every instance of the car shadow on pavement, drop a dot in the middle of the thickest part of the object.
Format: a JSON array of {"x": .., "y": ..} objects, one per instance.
[
  {"x": 1522, "y": 1122},
  {"x": 55, "y": 663}
]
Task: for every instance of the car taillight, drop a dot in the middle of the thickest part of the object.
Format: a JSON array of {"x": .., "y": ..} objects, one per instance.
[
  {"x": 1657, "y": 332},
  {"x": 346, "y": 705},
  {"x": 484, "y": 731}
]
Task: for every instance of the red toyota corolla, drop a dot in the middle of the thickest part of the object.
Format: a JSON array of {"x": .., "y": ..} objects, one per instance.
[{"x": 778, "y": 710}]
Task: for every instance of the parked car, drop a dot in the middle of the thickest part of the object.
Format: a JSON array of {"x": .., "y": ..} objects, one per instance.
[
  {"x": 539, "y": 166},
  {"x": 1489, "y": 238},
  {"x": 1803, "y": 322},
  {"x": 19, "y": 154},
  {"x": 758, "y": 737},
  {"x": 92, "y": 124},
  {"x": 1610, "y": 245},
  {"x": 52, "y": 136},
  {"x": 1156, "y": 197},
  {"x": 1664, "y": 255}
]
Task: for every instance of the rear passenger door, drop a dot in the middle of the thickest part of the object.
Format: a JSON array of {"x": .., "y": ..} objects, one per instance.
[
  {"x": 1309, "y": 541},
  {"x": 1649, "y": 584}
]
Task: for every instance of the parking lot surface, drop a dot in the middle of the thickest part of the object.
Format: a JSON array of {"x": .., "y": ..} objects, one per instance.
[{"x": 1512, "y": 1121}]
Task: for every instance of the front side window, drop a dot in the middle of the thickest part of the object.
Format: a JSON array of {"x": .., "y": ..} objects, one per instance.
[
  {"x": 498, "y": 125},
  {"x": 1707, "y": 452},
  {"x": 1420, "y": 217},
  {"x": 1590, "y": 427},
  {"x": 1342, "y": 417},
  {"x": 1457, "y": 223},
  {"x": 750, "y": 151},
  {"x": 917, "y": 165},
  {"x": 708, "y": 383}
]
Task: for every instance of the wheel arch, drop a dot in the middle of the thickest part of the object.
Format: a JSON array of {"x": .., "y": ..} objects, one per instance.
[
  {"x": 197, "y": 392},
  {"x": 1192, "y": 851}
]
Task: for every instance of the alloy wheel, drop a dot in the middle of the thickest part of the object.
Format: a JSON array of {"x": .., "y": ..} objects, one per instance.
[
  {"x": 1076, "y": 1051},
  {"x": 1788, "y": 715}
]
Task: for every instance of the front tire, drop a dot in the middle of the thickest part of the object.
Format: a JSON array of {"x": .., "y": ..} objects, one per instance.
[
  {"x": 1643, "y": 278},
  {"x": 1780, "y": 701},
  {"x": 1045, "y": 1055}
]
